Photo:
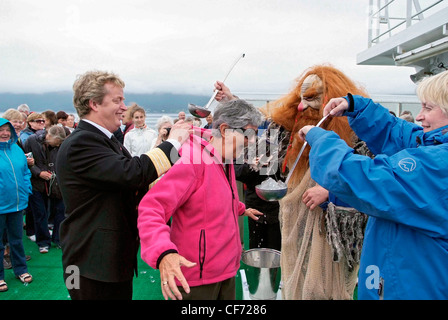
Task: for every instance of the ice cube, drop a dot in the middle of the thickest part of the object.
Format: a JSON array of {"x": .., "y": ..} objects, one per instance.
[{"x": 271, "y": 184}]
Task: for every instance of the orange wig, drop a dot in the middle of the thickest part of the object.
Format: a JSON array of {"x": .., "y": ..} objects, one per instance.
[{"x": 284, "y": 112}]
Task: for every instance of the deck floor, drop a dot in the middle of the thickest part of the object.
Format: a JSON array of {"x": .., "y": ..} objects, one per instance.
[{"x": 48, "y": 283}]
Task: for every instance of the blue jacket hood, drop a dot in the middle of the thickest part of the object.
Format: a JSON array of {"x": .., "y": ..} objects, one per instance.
[{"x": 14, "y": 137}]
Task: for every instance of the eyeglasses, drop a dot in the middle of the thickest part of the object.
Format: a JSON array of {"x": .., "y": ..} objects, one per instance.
[
  {"x": 248, "y": 133},
  {"x": 38, "y": 121}
]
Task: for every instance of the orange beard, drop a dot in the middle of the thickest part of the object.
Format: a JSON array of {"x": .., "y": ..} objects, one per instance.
[{"x": 311, "y": 117}]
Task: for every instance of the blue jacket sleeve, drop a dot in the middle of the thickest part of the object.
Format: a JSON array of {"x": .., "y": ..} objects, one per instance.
[
  {"x": 333, "y": 199},
  {"x": 383, "y": 133},
  {"x": 27, "y": 179},
  {"x": 408, "y": 187}
]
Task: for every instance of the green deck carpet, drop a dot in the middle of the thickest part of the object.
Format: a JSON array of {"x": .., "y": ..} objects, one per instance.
[{"x": 48, "y": 283}]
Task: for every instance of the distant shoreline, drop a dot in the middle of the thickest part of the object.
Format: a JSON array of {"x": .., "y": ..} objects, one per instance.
[
  {"x": 62, "y": 100},
  {"x": 151, "y": 118}
]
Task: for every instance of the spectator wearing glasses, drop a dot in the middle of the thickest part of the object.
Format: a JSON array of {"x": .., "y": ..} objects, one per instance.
[{"x": 36, "y": 122}]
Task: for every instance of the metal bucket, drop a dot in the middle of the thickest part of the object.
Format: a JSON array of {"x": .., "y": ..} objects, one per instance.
[{"x": 262, "y": 267}]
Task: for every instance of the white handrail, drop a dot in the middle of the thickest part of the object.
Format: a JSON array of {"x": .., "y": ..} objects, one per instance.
[{"x": 379, "y": 14}]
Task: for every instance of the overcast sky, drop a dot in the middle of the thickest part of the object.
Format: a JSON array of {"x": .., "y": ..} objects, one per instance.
[{"x": 184, "y": 46}]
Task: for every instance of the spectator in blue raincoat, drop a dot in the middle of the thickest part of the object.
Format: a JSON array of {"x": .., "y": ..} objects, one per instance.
[
  {"x": 15, "y": 188},
  {"x": 404, "y": 190}
]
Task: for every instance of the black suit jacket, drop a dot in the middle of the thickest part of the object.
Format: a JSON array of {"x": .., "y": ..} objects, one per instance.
[{"x": 101, "y": 185}]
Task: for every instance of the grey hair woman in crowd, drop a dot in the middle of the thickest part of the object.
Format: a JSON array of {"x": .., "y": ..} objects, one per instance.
[{"x": 45, "y": 145}]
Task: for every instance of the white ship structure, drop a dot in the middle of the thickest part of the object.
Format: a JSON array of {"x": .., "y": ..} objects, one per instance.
[
  {"x": 412, "y": 33},
  {"x": 408, "y": 33}
]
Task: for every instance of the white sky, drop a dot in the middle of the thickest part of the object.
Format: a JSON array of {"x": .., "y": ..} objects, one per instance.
[{"x": 184, "y": 46}]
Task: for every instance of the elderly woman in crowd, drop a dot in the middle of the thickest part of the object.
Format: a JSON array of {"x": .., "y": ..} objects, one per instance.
[
  {"x": 71, "y": 124},
  {"x": 163, "y": 126},
  {"x": 16, "y": 119},
  {"x": 45, "y": 145},
  {"x": 200, "y": 194},
  {"x": 15, "y": 189}
]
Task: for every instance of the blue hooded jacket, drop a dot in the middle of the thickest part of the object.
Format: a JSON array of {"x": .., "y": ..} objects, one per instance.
[
  {"x": 15, "y": 185},
  {"x": 404, "y": 190}
]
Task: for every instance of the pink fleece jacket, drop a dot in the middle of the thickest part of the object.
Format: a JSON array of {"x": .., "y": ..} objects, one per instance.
[{"x": 204, "y": 205}]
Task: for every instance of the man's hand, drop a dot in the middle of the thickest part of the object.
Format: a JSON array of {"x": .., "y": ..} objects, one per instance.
[
  {"x": 181, "y": 131},
  {"x": 45, "y": 175},
  {"x": 314, "y": 196},
  {"x": 224, "y": 93}
]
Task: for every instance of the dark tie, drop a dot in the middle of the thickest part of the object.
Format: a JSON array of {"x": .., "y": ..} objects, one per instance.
[
  {"x": 115, "y": 140},
  {"x": 117, "y": 143}
]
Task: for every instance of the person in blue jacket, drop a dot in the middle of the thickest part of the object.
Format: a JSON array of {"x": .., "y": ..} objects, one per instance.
[
  {"x": 404, "y": 190},
  {"x": 14, "y": 192}
]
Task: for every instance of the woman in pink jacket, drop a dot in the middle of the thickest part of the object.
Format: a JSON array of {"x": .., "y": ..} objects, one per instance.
[{"x": 199, "y": 254}]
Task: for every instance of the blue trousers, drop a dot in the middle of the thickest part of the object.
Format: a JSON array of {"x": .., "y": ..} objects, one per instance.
[
  {"x": 12, "y": 223},
  {"x": 41, "y": 206}
]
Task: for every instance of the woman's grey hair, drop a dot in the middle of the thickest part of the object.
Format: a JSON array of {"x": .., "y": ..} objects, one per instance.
[
  {"x": 407, "y": 115},
  {"x": 162, "y": 120},
  {"x": 237, "y": 114},
  {"x": 57, "y": 132},
  {"x": 23, "y": 108}
]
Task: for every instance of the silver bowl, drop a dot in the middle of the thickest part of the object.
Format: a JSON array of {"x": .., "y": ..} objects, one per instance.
[{"x": 271, "y": 194}]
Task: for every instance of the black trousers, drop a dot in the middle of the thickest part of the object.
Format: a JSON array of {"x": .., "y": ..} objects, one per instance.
[
  {"x": 224, "y": 290},
  {"x": 97, "y": 290}
]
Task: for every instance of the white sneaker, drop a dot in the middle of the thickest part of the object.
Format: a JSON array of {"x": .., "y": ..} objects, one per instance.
[
  {"x": 43, "y": 249},
  {"x": 32, "y": 238}
]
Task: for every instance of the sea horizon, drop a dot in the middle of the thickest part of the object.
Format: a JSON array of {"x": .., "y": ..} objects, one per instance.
[{"x": 151, "y": 118}]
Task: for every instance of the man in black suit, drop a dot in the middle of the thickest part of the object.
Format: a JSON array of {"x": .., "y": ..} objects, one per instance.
[{"x": 101, "y": 185}]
